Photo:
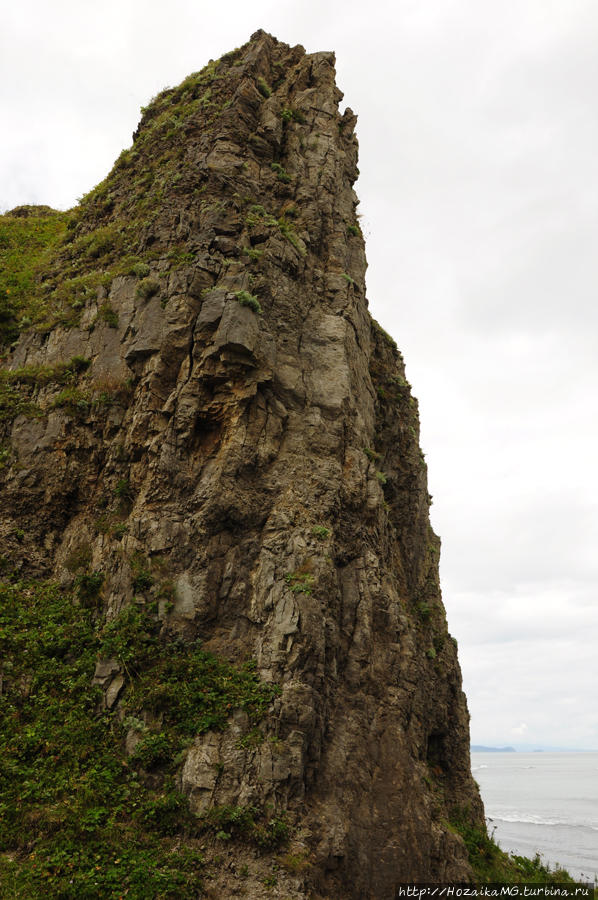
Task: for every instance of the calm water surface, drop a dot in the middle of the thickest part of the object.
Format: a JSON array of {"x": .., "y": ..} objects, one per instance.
[{"x": 543, "y": 803}]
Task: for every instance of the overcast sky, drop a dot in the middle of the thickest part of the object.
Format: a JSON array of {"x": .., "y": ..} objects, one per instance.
[{"x": 478, "y": 130}]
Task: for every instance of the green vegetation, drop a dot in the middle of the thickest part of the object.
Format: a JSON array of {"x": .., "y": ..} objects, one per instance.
[
  {"x": 424, "y": 610},
  {"x": 247, "y": 822},
  {"x": 18, "y": 386},
  {"x": 26, "y": 237},
  {"x": 78, "y": 817},
  {"x": 281, "y": 174},
  {"x": 263, "y": 88},
  {"x": 320, "y": 532},
  {"x": 147, "y": 288},
  {"x": 108, "y": 315},
  {"x": 300, "y": 582},
  {"x": 253, "y": 253},
  {"x": 378, "y": 330},
  {"x": 123, "y": 490},
  {"x": 247, "y": 299},
  {"x": 258, "y": 216},
  {"x": 381, "y": 478},
  {"x": 371, "y": 454},
  {"x": 75, "y": 401},
  {"x": 353, "y": 230},
  {"x": 492, "y": 865},
  {"x": 140, "y": 269},
  {"x": 291, "y": 114}
]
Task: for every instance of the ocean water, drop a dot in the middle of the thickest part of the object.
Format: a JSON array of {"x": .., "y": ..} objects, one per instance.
[{"x": 543, "y": 803}]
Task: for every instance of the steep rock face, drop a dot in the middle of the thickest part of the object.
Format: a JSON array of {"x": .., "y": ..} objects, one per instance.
[{"x": 245, "y": 428}]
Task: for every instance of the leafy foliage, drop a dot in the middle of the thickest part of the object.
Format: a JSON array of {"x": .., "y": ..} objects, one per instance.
[
  {"x": 77, "y": 817},
  {"x": 244, "y": 298}
]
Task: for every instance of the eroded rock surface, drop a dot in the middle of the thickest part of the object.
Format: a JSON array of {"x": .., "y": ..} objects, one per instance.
[{"x": 267, "y": 464}]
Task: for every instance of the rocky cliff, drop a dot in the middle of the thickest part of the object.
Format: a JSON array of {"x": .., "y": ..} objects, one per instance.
[{"x": 215, "y": 522}]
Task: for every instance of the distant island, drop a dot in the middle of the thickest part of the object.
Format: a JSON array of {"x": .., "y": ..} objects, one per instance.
[{"x": 477, "y": 748}]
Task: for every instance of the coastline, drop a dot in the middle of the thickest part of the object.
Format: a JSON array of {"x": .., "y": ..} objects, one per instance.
[{"x": 543, "y": 803}]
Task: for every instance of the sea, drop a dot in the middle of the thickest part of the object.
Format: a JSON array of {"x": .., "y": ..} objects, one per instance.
[{"x": 544, "y": 803}]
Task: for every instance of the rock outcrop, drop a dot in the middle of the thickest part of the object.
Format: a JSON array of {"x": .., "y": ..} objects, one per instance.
[{"x": 201, "y": 413}]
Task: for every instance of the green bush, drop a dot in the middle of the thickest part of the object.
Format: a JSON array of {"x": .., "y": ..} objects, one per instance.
[
  {"x": 88, "y": 587},
  {"x": 140, "y": 269},
  {"x": 247, "y": 299},
  {"x": 147, "y": 288},
  {"x": 107, "y": 314},
  {"x": 142, "y": 580},
  {"x": 153, "y": 749}
]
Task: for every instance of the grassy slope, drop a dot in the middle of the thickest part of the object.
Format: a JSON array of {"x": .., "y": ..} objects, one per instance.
[{"x": 79, "y": 816}]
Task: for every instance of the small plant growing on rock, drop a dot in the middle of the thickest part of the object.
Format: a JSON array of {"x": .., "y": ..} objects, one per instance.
[
  {"x": 250, "y": 300},
  {"x": 281, "y": 173},
  {"x": 140, "y": 269},
  {"x": 142, "y": 581},
  {"x": 263, "y": 88},
  {"x": 424, "y": 611},
  {"x": 300, "y": 583},
  {"x": 289, "y": 114},
  {"x": 88, "y": 588},
  {"x": 147, "y": 288},
  {"x": 253, "y": 253},
  {"x": 320, "y": 532},
  {"x": 107, "y": 314},
  {"x": 353, "y": 230},
  {"x": 123, "y": 489},
  {"x": 381, "y": 477}
]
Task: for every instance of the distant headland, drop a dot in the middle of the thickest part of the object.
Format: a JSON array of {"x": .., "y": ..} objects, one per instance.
[{"x": 477, "y": 748}]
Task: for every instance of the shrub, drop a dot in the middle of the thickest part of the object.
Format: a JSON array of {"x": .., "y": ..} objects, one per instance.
[
  {"x": 140, "y": 269},
  {"x": 250, "y": 300},
  {"x": 153, "y": 749},
  {"x": 320, "y": 532},
  {"x": 108, "y": 315},
  {"x": 147, "y": 288},
  {"x": 143, "y": 580},
  {"x": 88, "y": 588}
]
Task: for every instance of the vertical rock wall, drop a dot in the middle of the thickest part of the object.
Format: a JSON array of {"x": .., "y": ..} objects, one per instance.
[{"x": 264, "y": 442}]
